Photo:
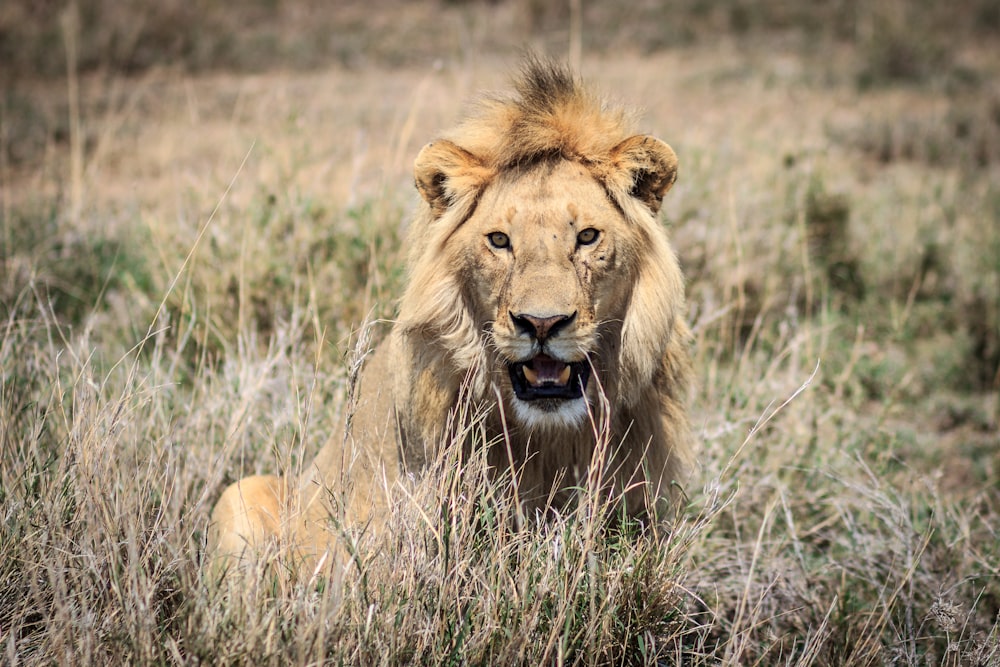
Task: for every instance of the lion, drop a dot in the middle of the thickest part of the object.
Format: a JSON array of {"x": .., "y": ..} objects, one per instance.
[{"x": 541, "y": 289}]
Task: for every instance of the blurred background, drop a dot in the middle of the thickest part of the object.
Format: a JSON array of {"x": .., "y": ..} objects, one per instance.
[{"x": 896, "y": 40}]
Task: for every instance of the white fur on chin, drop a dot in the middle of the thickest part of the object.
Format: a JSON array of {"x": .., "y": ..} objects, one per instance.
[{"x": 570, "y": 414}]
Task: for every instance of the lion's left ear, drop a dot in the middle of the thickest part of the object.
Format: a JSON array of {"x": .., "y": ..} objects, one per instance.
[
  {"x": 446, "y": 174},
  {"x": 644, "y": 168}
]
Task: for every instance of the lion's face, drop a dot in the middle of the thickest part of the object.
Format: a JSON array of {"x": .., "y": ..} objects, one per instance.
[
  {"x": 544, "y": 269},
  {"x": 548, "y": 278}
]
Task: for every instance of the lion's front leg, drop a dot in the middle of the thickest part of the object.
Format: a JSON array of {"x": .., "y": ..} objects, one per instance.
[{"x": 248, "y": 515}]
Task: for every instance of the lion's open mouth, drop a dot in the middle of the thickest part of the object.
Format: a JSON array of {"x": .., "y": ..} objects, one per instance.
[{"x": 545, "y": 377}]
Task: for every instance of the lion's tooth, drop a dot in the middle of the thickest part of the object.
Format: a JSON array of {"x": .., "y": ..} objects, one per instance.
[
  {"x": 530, "y": 375},
  {"x": 564, "y": 375}
]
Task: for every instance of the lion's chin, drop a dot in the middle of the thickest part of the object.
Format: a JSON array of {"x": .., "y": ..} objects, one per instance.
[
  {"x": 549, "y": 393},
  {"x": 550, "y": 414}
]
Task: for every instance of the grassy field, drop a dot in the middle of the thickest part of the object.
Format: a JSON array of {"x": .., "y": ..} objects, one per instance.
[{"x": 194, "y": 229}]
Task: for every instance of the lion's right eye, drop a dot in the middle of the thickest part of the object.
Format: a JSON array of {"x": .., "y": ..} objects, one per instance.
[{"x": 498, "y": 240}]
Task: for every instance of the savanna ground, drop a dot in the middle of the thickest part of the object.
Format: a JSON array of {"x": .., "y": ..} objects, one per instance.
[{"x": 201, "y": 205}]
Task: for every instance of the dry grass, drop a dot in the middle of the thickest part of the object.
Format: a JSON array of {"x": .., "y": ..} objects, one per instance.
[{"x": 178, "y": 310}]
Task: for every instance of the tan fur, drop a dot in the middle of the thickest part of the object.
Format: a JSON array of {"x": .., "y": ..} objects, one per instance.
[{"x": 541, "y": 166}]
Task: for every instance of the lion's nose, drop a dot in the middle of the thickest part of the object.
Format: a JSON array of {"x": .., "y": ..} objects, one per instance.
[{"x": 540, "y": 327}]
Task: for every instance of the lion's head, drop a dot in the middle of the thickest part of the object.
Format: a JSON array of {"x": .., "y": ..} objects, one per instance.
[{"x": 538, "y": 264}]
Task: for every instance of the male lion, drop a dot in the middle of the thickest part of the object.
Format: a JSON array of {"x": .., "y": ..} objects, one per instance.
[{"x": 543, "y": 291}]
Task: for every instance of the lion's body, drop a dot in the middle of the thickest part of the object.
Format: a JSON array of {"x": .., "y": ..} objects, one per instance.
[{"x": 544, "y": 293}]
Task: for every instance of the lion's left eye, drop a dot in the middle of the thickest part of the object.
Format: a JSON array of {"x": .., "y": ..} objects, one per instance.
[{"x": 588, "y": 236}]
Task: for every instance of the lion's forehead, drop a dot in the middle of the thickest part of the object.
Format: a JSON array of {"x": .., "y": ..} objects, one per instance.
[
  {"x": 554, "y": 194},
  {"x": 545, "y": 231}
]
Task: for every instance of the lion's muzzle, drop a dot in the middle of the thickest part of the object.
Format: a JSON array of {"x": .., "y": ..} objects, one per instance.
[
  {"x": 541, "y": 328},
  {"x": 545, "y": 377}
]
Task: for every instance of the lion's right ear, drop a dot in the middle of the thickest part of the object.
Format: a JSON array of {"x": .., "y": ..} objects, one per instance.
[{"x": 447, "y": 174}]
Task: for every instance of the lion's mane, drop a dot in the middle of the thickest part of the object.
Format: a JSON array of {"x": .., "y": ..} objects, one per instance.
[{"x": 551, "y": 116}]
